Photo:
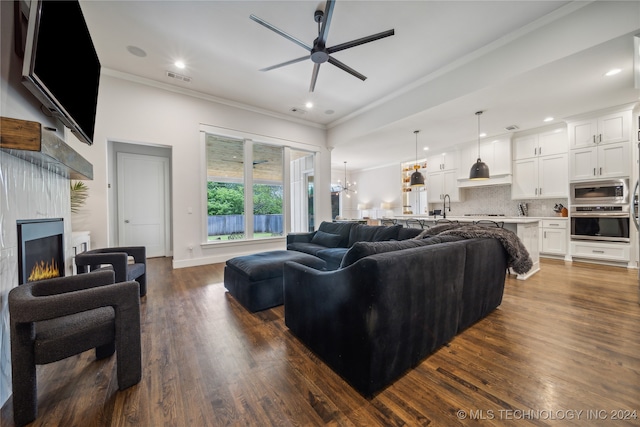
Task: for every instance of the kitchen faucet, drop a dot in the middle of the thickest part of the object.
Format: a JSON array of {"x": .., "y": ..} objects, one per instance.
[{"x": 444, "y": 205}]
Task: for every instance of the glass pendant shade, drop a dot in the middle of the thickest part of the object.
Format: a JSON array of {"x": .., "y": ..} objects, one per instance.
[{"x": 479, "y": 170}]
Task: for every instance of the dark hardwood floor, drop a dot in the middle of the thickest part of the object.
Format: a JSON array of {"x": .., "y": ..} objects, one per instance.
[{"x": 562, "y": 349}]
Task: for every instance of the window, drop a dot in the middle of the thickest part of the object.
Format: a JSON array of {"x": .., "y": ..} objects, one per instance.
[
  {"x": 225, "y": 188},
  {"x": 268, "y": 190},
  {"x": 246, "y": 193}
]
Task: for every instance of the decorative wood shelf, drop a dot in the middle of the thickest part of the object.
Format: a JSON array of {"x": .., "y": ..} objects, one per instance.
[{"x": 26, "y": 140}]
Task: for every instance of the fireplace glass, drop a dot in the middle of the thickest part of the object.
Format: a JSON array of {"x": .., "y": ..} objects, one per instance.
[{"x": 40, "y": 249}]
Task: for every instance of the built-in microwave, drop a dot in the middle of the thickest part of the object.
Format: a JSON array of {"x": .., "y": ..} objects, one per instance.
[{"x": 609, "y": 192}]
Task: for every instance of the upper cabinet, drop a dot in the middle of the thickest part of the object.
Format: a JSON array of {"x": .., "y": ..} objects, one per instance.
[
  {"x": 607, "y": 129},
  {"x": 540, "y": 166},
  {"x": 546, "y": 143},
  {"x": 442, "y": 162},
  {"x": 441, "y": 177},
  {"x": 600, "y": 146}
]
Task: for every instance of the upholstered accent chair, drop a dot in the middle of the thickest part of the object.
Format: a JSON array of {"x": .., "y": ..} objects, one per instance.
[
  {"x": 57, "y": 318},
  {"x": 117, "y": 258}
]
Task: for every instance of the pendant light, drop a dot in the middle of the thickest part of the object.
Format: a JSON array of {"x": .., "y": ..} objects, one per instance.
[
  {"x": 417, "y": 179},
  {"x": 347, "y": 187},
  {"x": 479, "y": 170}
]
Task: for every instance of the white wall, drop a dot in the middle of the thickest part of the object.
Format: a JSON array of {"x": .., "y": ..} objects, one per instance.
[
  {"x": 137, "y": 112},
  {"x": 379, "y": 185}
]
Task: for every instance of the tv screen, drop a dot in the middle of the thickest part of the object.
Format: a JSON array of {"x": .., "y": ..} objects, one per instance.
[{"x": 61, "y": 66}]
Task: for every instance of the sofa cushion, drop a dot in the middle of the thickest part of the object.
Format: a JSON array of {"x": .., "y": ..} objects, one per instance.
[
  {"x": 341, "y": 228},
  {"x": 328, "y": 240},
  {"x": 373, "y": 233},
  {"x": 332, "y": 256},
  {"x": 408, "y": 233},
  {"x": 307, "y": 248},
  {"x": 266, "y": 265},
  {"x": 363, "y": 249}
]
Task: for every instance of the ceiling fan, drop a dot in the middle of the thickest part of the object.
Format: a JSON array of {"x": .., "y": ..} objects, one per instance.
[{"x": 319, "y": 53}]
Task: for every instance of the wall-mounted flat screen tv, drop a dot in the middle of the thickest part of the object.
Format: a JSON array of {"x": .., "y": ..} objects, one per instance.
[{"x": 61, "y": 66}]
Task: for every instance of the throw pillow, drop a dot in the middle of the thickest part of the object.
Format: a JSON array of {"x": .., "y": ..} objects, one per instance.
[{"x": 326, "y": 239}]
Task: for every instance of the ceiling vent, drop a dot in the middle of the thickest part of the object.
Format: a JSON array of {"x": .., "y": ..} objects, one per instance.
[
  {"x": 180, "y": 77},
  {"x": 512, "y": 128}
]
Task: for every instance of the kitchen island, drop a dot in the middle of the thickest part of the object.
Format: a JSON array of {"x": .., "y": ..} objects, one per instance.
[{"x": 526, "y": 228}]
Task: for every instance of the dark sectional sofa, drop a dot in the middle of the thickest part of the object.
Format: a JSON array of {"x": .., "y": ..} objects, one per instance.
[
  {"x": 389, "y": 304},
  {"x": 372, "y": 301},
  {"x": 332, "y": 240}
]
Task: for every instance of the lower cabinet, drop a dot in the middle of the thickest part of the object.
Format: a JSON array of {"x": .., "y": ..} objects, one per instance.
[
  {"x": 553, "y": 237},
  {"x": 617, "y": 252}
]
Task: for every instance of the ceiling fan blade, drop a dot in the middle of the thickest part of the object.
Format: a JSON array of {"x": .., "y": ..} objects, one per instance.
[
  {"x": 346, "y": 68},
  {"x": 282, "y": 33},
  {"x": 293, "y": 61},
  {"x": 326, "y": 21},
  {"x": 358, "y": 42},
  {"x": 314, "y": 77}
]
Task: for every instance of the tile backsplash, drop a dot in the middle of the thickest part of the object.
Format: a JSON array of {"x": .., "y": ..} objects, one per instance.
[{"x": 497, "y": 200}]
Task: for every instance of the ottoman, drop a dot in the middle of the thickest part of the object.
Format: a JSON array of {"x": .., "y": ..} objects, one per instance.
[{"x": 256, "y": 280}]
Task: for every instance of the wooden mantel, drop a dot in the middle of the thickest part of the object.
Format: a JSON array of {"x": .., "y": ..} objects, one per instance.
[{"x": 26, "y": 140}]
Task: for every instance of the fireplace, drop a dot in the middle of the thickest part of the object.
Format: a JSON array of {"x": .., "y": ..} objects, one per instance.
[{"x": 40, "y": 249}]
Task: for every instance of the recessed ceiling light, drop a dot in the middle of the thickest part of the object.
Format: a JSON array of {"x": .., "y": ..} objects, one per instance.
[
  {"x": 136, "y": 51},
  {"x": 482, "y": 135},
  {"x": 612, "y": 72},
  {"x": 426, "y": 148},
  {"x": 309, "y": 104},
  {"x": 548, "y": 119},
  {"x": 329, "y": 112},
  {"x": 179, "y": 64}
]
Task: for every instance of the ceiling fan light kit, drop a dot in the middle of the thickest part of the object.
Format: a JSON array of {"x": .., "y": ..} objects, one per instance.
[
  {"x": 479, "y": 171},
  {"x": 319, "y": 53}
]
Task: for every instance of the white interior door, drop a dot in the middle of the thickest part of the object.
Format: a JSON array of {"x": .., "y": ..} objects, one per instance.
[{"x": 143, "y": 183}]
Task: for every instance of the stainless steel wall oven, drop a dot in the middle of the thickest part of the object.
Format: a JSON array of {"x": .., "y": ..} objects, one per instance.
[
  {"x": 601, "y": 223},
  {"x": 600, "y": 210}
]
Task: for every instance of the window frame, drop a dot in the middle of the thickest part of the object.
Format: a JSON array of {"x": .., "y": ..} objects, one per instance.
[{"x": 249, "y": 139}]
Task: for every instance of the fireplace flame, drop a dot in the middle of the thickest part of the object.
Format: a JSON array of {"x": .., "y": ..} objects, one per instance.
[{"x": 43, "y": 271}]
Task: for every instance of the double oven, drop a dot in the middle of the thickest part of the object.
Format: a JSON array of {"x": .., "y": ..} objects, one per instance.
[{"x": 600, "y": 210}]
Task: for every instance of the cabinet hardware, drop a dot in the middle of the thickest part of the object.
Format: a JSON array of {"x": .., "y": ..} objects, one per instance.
[
  {"x": 540, "y": 191},
  {"x": 536, "y": 192},
  {"x": 600, "y": 170},
  {"x": 594, "y": 139},
  {"x": 535, "y": 151},
  {"x": 545, "y": 234},
  {"x": 600, "y": 138},
  {"x": 597, "y": 252},
  {"x": 540, "y": 151},
  {"x": 554, "y": 225},
  {"x": 594, "y": 171}
]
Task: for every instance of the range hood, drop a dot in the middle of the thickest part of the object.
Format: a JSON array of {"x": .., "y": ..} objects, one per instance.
[{"x": 26, "y": 140}]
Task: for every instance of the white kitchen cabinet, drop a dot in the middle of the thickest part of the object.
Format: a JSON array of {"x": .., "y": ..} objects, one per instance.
[
  {"x": 441, "y": 183},
  {"x": 540, "y": 177},
  {"x": 600, "y": 146},
  {"x": 442, "y": 162},
  {"x": 617, "y": 252},
  {"x": 606, "y": 129},
  {"x": 600, "y": 161},
  {"x": 554, "y": 237},
  {"x": 546, "y": 143}
]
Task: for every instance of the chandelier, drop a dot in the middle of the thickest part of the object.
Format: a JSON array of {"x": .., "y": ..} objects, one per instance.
[{"x": 347, "y": 187}]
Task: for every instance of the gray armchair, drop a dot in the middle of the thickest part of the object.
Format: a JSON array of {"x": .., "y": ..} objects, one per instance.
[
  {"x": 118, "y": 258},
  {"x": 56, "y": 318}
]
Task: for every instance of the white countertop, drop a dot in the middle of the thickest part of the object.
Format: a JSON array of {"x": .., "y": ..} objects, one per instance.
[{"x": 506, "y": 219}]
